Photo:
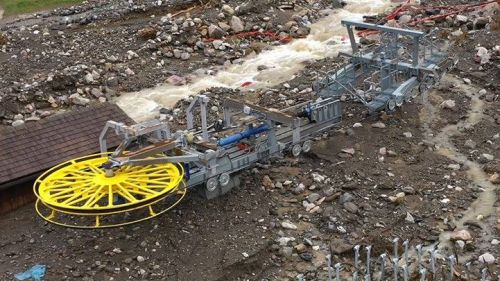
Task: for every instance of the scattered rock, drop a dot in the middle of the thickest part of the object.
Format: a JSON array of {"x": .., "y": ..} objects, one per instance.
[
  {"x": 409, "y": 218},
  {"x": 78, "y": 100},
  {"x": 482, "y": 56},
  {"x": 481, "y": 22},
  {"x": 351, "y": 207},
  {"x": 463, "y": 235},
  {"x": 495, "y": 178},
  {"x": 462, "y": 19},
  {"x": 140, "y": 258},
  {"x": 470, "y": 144},
  {"x": 349, "y": 151},
  {"x": 346, "y": 197},
  {"x": 379, "y": 125},
  {"x": 288, "y": 225},
  {"x": 398, "y": 199},
  {"x": 215, "y": 32},
  {"x": 487, "y": 258},
  {"x": 176, "y": 80},
  {"x": 228, "y": 10},
  {"x": 17, "y": 123},
  {"x": 147, "y": 33},
  {"x": 448, "y": 104},
  {"x": 300, "y": 248},
  {"x": 237, "y": 24},
  {"x": 306, "y": 256},
  {"x": 267, "y": 182},
  {"x": 313, "y": 197},
  {"x": 487, "y": 156},
  {"x": 340, "y": 246},
  {"x": 407, "y": 135},
  {"x": 299, "y": 189}
]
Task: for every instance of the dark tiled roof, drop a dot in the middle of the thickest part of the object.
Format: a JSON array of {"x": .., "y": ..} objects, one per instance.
[{"x": 37, "y": 146}]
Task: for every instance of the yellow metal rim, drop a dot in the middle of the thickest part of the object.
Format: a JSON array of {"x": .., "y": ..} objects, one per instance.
[
  {"x": 72, "y": 220},
  {"x": 81, "y": 187}
]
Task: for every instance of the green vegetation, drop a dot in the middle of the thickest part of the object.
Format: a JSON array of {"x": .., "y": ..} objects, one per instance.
[{"x": 14, "y": 7}]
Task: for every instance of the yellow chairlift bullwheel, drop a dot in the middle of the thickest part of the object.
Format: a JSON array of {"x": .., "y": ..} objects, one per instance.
[{"x": 80, "y": 193}]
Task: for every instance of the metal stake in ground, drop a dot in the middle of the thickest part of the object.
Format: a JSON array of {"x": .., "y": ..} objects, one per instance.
[
  {"x": 329, "y": 262},
  {"x": 382, "y": 267},
  {"x": 467, "y": 270},
  {"x": 396, "y": 259},
  {"x": 451, "y": 263},
  {"x": 433, "y": 263},
  {"x": 423, "y": 271},
  {"x": 356, "y": 263},
  {"x": 337, "y": 272},
  {"x": 368, "y": 261},
  {"x": 419, "y": 256}
]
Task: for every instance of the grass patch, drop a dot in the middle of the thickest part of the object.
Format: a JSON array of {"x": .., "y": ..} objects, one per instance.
[{"x": 15, "y": 7}]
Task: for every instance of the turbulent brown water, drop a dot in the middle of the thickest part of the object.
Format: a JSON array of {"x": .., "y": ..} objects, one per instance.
[{"x": 326, "y": 39}]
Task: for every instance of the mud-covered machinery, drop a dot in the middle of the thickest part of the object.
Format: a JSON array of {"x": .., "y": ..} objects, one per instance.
[
  {"x": 401, "y": 65},
  {"x": 150, "y": 171}
]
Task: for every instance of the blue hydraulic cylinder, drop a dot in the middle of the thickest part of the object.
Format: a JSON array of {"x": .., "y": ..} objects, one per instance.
[{"x": 243, "y": 135}]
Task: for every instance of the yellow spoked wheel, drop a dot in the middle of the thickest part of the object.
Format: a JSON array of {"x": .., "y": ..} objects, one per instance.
[{"x": 80, "y": 193}]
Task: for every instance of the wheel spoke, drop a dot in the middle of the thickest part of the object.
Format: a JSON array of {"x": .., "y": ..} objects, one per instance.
[{"x": 125, "y": 193}]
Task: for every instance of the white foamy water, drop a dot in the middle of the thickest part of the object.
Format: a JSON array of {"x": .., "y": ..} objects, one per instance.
[{"x": 326, "y": 39}]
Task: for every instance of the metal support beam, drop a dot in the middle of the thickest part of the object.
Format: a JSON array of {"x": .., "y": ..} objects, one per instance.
[
  {"x": 354, "y": 45},
  {"x": 269, "y": 114},
  {"x": 382, "y": 28}
]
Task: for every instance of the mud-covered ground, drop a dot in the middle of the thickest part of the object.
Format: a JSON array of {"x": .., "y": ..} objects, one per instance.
[
  {"x": 422, "y": 174},
  {"x": 76, "y": 56}
]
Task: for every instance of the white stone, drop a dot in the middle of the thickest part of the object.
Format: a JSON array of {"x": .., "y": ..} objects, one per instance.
[
  {"x": 317, "y": 177},
  {"x": 350, "y": 151},
  {"x": 483, "y": 55},
  {"x": 227, "y": 9},
  {"x": 129, "y": 72},
  {"x": 404, "y": 19},
  {"x": 140, "y": 258},
  {"x": 357, "y": 125},
  {"x": 237, "y": 24},
  {"x": 288, "y": 225},
  {"x": 409, "y": 218},
  {"x": 89, "y": 78},
  {"x": 17, "y": 123},
  {"x": 487, "y": 258},
  {"x": 462, "y": 18},
  {"x": 488, "y": 156},
  {"x": 448, "y": 104},
  {"x": 79, "y": 100},
  {"x": 379, "y": 125},
  {"x": 283, "y": 241},
  {"x": 407, "y": 134}
]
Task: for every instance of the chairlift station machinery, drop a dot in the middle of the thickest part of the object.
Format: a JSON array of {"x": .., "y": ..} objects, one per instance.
[{"x": 153, "y": 167}]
